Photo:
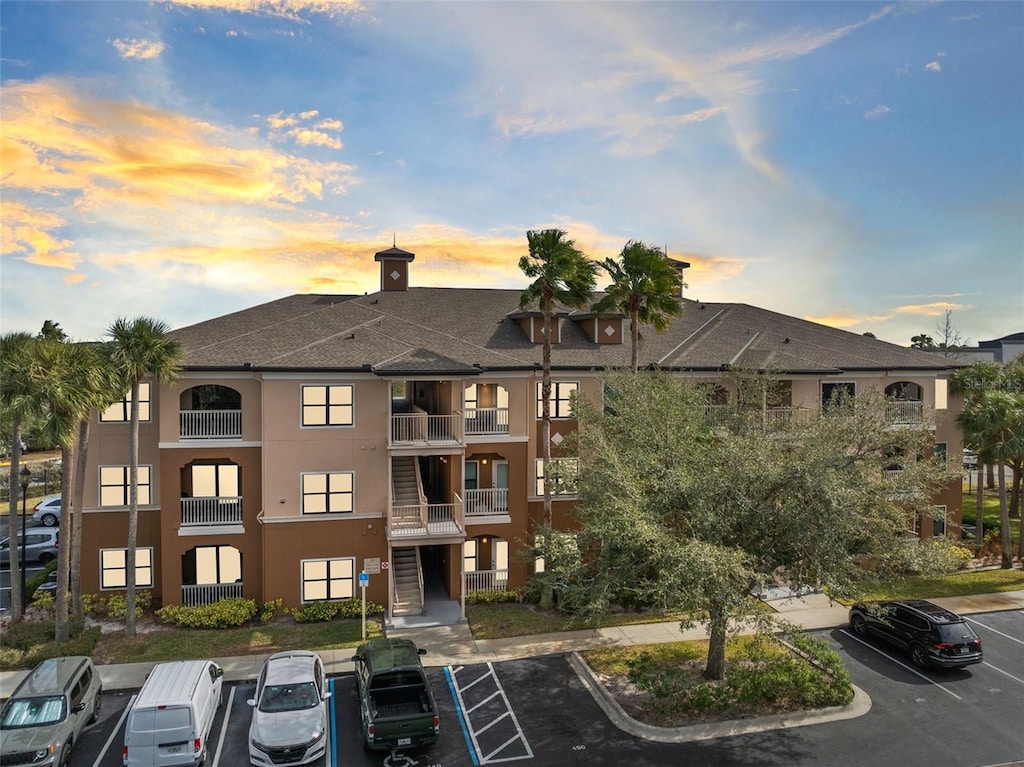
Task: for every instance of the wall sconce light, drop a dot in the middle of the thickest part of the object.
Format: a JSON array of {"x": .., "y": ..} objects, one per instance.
[
  {"x": 484, "y": 462},
  {"x": 282, "y": 500},
  {"x": 369, "y": 525},
  {"x": 484, "y": 540}
]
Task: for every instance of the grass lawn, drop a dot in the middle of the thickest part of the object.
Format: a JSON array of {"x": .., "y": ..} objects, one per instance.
[
  {"x": 495, "y": 621},
  {"x": 990, "y": 509},
  {"x": 956, "y": 585}
]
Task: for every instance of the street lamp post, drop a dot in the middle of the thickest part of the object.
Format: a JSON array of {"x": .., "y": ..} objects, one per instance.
[{"x": 26, "y": 479}]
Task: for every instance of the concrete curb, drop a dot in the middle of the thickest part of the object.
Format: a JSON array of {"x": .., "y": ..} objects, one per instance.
[{"x": 860, "y": 705}]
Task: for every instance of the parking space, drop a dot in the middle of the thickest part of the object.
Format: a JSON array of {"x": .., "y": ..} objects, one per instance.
[{"x": 538, "y": 712}]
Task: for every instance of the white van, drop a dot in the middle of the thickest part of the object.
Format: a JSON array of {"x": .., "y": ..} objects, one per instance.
[{"x": 169, "y": 723}]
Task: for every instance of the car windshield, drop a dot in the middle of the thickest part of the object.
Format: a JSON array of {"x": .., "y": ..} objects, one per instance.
[
  {"x": 956, "y": 633},
  {"x": 33, "y": 712},
  {"x": 288, "y": 697}
]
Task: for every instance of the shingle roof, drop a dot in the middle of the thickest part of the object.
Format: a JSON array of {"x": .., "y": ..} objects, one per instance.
[{"x": 462, "y": 331}]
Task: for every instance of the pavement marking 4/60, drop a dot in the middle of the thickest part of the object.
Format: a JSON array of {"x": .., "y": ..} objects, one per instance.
[{"x": 488, "y": 722}]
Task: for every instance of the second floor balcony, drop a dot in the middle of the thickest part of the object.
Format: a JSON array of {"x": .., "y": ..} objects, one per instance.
[
  {"x": 904, "y": 411},
  {"x": 486, "y": 502},
  {"x": 421, "y": 429},
  {"x": 211, "y": 512},
  {"x": 426, "y": 520},
  {"x": 487, "y": 420},
  {"x": 210, "y": 424}
]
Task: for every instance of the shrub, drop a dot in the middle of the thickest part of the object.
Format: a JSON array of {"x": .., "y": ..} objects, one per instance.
[
  {"x": 269, "y": 609},
  {"x": 486, "y": 597},
  {"x": 236, "y": 611},
  {"x": 117, "y": 604},
  {"x": 35, "y": 644},
  {"x": 310, "y": 612},
  {"x": 353, "y": 608},
  {"x": 24, "y": 634},
  {"x": 934, "y": 556}
]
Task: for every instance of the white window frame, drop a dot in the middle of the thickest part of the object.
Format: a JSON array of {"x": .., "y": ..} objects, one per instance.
[
  {"x": 328, "y": 578},
  {"x": 561, "y": 404},
  {"x": 145, "y": 485},
  {"x": 143, "y": 568},
  {"x": 344, "y": 418},
  {"x": 328, "y": 493},
  {"x": 121, "y": 412},
  {"x": 940, "y": 522},
  {"x": 539, "y": 475},
  {"x": 470, "y": 555}
]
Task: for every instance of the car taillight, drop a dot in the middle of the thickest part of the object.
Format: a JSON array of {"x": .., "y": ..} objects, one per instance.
[
  {"x": 124, "y": 754},
  {"x": 369, "y": 731},
  {"x": 198, "y": 745},
  {"x": 943, "y": 645},
  {"x": 437, "y": 724}
]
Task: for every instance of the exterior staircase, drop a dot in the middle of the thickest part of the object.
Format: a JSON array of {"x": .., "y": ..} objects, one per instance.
[
  {"x": 405, "y": 494},
  {"x": 405, "y": 569}
]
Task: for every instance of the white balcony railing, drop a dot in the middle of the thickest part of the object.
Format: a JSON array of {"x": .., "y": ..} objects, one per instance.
[
  {"x": 486, "y": 502},
  {"x": 208, "y": 593},
  {"x": 423, "y": 429},
  {"x": 426, "y": 519},
  {"x": 210, "y": 424},
  {"x": 203, "y": 512},
  {"x": 487, "y": 580},
  {"x": 487, "y": 420},
  {"x": 904, "y": 411}
]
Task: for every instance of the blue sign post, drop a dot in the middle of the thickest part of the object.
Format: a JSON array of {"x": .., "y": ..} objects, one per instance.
[{"x": 364, "y": 580}]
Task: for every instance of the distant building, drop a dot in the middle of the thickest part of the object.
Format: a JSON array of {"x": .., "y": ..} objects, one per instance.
[
  {"x": 1002, "y": 350},
  {"x": 317, "y": 436}
]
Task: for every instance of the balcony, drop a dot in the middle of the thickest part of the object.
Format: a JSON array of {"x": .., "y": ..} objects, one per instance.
[
  {"x": 210, "y": 424},
  {"x": 487, "y": 580},
  {"x": 904, "y": 411},
  {"x": 210, "y": 512},
  {"x": 420, "y": 429},
  {"x": 487, "y": 420},
  {"x": 486, "y": 503},
  {"x": 208, "y": 593},
  {"x": 426, "y": 520}
]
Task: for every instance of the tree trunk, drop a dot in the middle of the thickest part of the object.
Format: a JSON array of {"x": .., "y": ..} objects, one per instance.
[
  {"x": 77, "y": 610},
  {"x": 634, "y": 336},
  {"x": 718, "y": 627},
  {"x": 547, "y": 598},
  {"x": 133, "y": 514},
  {"x": 979, "y": 532},
  {"x": 1004, "y": 521},
  {"x": 14, "y": 517},
  {"x": 67, "y": 514},
  {"x": 990, "y": 477}
]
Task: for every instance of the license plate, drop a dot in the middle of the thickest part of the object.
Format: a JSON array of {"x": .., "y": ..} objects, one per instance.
[
  {"x": 174, "y": 749},
  {"x": 405, "y": 741},
  {"x": 964, "y": 650}
]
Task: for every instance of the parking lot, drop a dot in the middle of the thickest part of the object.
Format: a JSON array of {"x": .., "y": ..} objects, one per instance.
[{"x": 538, "y": 712}]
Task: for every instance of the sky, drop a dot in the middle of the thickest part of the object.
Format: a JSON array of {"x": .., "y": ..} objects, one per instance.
[{"x": 856, "y": 164}]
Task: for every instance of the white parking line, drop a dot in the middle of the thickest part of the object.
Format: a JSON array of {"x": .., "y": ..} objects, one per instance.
[
  {"x": 1007, "y": 673},
  {"x": 224, "y": 728},
  {"x": 473, "y": 731},
  {"x": 996, "y": 631},
  {"x": 124, "y": 715},
  {"x": 911, "y": 669}
]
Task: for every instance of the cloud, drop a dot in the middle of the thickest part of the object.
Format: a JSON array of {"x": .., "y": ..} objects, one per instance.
[
  {"x": 935, "y": 309},
  {"x": 289, "y": 127},
  {"x": 964, "y": 18},
  {"x": 933, "y": 66},
  {"x": 29, "y": 231},
  {"x": 295, "y": 10},
  {"x": 138, "y": 49},
  {"x": 879, "y": 111}
]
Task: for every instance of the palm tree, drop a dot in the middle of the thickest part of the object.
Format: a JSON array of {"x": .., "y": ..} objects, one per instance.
[
  {"x": 563, "y": 275},
  {"x": 68, "y": 392},
  {"x": 645, "y": 286},
  {"x": 139, "y": 349},
  {"x": 20, "y": 404}
]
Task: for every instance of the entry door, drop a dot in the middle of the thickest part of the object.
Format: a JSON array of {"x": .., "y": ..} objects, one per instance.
[{"x": 500, "y": 482}]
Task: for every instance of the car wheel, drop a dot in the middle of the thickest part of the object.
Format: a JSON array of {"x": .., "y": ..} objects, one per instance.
[
  {"x": 65, "y": 756},
  {"x": 919, "y": 656},
  {"x": 46, "y": 557},
  {"x": 858, "y": 624},
  {"x": 48, "y": 519},
  {"x": 96, "y": 706}
]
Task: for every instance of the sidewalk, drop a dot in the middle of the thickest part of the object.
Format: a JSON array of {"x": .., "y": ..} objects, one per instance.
[{"x": 455, "y": 644}]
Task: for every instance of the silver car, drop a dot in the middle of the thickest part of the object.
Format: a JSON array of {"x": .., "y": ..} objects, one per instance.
[
  {"x": 44, "y": 718},
  {"x": 40, "y": 546},
  {"x": 289, "y": 716},
  {"x": 47, "y": 511}
]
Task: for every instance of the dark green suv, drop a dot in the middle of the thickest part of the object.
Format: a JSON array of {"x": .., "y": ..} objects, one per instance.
[{"x": 43, "y": 719}]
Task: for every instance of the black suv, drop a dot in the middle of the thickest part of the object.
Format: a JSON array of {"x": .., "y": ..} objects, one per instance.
[{"x": 932, "y": 635}]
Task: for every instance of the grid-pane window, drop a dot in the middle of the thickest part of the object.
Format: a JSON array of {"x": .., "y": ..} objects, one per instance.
[
  {"x": 563, "y": 473},
  {"x": 838, "y": 396},
  {"x": 328, "y": 493},
  {"x": 324, "y": 579},
  {"x": 115, "y": 487},
  {"x": 561, "y": 398},
  {"x": 469, "y": 555},
  {"x": 114, "y": 568},
  {"x": 122, "y": 411},
  {"x": 327, "y": 405},
  {"x": 939, "y": 522}
]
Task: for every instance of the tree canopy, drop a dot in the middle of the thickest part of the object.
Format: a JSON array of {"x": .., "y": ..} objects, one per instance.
[{"x": 677, "y": 514}]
